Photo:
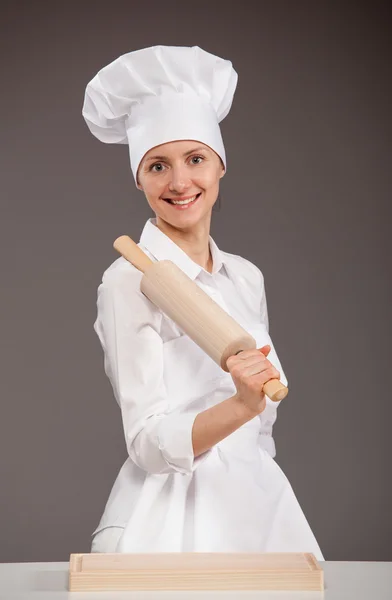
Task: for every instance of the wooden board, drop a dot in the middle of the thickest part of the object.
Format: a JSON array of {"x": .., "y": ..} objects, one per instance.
[{"x": 195, "y": 571}]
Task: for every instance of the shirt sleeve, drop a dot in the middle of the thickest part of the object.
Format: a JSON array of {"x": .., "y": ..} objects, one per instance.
[
  {"x": 158, "y": 440},
  {"x": 269, "y": 415},
  {"x": 263, "y": 303}
]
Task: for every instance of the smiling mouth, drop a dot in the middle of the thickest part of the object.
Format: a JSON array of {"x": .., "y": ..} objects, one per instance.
[{"x": 182, "y": 203}]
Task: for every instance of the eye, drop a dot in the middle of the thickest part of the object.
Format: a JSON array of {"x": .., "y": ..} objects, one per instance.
[
  {"x": 197, "y": 157},
  {"x": 156, "y": 165}
]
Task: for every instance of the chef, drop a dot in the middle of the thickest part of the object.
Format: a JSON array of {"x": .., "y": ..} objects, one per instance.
[{"x": 200, "y": 475}]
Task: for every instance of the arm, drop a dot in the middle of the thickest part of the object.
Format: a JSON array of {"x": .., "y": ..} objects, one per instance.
[
  {"x": 269, "y": 415},
  {"x": 158, "y": 440},
  {"x": 214, "y": 424}
]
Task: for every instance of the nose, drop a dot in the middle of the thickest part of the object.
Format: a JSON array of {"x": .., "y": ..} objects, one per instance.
[{"x": 179, "y": 180}]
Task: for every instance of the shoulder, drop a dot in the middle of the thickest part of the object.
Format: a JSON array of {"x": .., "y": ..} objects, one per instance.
[
  {"x": 120, "y": 287},
  {"x": 121, "y": 305},
  {"x": 245, "y": 268},
  {"x": 120, "y": 269},
  {"x": 121, "y": 274}
]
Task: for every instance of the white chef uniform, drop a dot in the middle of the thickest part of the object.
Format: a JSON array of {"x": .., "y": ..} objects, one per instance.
[{"x": 232, "y": 498}]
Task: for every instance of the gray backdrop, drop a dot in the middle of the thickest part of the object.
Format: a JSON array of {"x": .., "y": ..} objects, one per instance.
[{"x": 306, "y": 198}]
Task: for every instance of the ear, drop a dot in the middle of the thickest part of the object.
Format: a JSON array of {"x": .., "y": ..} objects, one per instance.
[
  {"x": 222, "y": 168},
  {"x": 139, "y": 187}
]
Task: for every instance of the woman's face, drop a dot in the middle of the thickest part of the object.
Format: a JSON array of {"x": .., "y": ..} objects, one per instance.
[{"x": 180, "y": 170}]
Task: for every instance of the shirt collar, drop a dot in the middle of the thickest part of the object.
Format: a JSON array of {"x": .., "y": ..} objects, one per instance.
[{"x": 163, "y": 248}]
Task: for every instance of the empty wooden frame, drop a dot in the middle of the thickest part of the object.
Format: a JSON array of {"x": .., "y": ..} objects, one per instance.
[{"x": 195, "y": 571}]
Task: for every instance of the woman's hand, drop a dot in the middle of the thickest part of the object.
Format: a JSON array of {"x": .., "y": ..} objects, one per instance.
[{"x": 250, "y": 370}]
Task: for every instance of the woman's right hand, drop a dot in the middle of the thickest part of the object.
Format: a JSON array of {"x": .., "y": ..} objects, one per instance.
[{"x": 250, "y": 370}]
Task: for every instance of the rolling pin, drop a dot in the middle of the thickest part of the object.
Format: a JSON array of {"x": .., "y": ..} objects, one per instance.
[{"x": 192, "y": 309}]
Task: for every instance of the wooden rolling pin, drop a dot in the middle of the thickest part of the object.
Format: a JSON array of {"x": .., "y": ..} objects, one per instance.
[{"x": 202, "y": 319}]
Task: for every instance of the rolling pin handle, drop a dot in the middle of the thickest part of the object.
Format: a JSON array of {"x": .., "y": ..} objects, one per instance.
[
  {"x": 132, "y": 253},
  {"x": 274, "y": 389}
]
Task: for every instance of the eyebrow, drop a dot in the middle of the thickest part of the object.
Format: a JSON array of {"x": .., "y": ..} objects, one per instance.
[{"x": 198, "y": 149}]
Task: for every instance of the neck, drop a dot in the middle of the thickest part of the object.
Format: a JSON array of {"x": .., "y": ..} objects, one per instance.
[{"x": 193, "y": 241}]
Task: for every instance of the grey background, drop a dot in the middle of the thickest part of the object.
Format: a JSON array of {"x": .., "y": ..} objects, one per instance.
[{"x": 306, "y": 198}]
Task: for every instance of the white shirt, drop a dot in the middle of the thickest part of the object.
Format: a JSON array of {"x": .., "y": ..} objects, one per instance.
[{"x": 234, "y": 497}]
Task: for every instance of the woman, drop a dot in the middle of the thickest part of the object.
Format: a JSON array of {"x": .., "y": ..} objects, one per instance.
[{"x": 200, "y": 473}]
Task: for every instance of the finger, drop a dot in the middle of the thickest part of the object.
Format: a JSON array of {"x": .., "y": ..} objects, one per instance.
[
  {"x": 255, "y": 365},
  {"x": 263, "y": 374},
  {"x": 255, "y": 357},
  {"x": 265, "y": 349},
  {"x": 246, "y": 354}
]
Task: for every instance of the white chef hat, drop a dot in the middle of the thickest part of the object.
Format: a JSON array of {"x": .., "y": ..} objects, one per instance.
[{"x": 160, "y": 94}]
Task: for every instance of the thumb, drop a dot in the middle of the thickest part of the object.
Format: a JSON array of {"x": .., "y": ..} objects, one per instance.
[{"x": 265, "y": 349}]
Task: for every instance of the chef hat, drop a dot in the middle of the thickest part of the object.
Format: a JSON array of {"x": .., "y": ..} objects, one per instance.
[{"x": 160, "y": 94}]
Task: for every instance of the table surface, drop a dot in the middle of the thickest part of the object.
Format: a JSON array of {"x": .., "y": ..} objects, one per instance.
[{"x": 343, "y": 580}]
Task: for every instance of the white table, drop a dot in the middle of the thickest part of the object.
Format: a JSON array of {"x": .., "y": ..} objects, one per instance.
[{"x": 343, "y": 580}]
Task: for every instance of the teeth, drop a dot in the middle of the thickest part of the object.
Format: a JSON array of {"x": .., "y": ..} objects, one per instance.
[{"x": 184, "y": 201}]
